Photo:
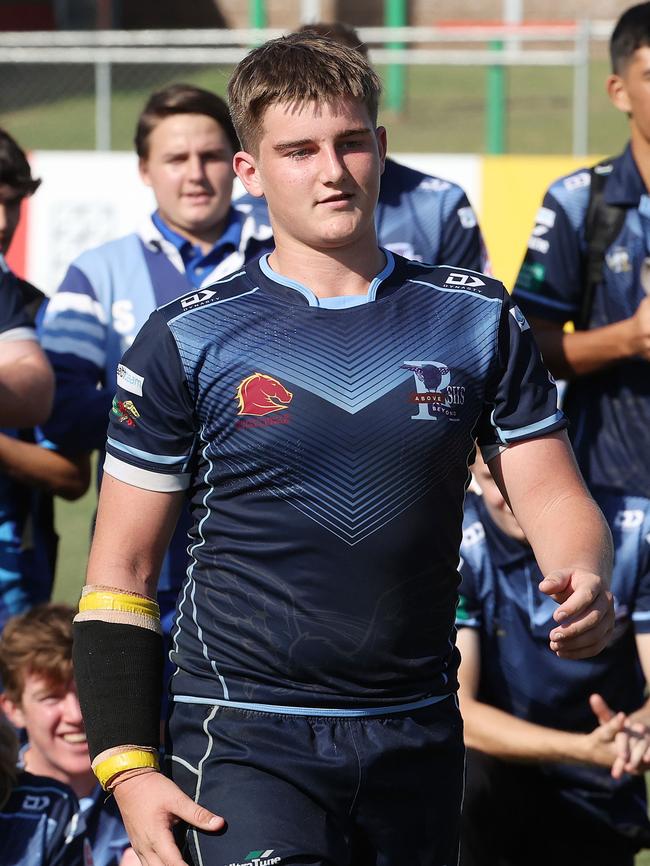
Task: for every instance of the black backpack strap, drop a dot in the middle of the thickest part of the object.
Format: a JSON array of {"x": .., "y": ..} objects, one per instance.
[{"x": 603, "y": 223}]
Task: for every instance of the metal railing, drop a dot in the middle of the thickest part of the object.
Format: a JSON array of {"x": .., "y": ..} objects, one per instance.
[{"x": 494, "y": 46}]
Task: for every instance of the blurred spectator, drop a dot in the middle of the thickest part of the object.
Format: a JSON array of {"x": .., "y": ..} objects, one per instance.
[
  {"x": 39, "y": 817},
  {"x": 185, "y": 142},
  {"x": 588, "y": 261},
  {"x": 40, "y": 697},
  {"x": 425, "y": 218},
  {"x": 29, "y": 474},
  {"x": 25, "y": 379},
  {"x": 535, "y": 749}
]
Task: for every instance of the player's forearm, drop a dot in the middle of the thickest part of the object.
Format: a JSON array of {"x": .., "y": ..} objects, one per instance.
[
  {"x": 569, "y": 531},
  {"x": 39, "y": 467},
  {"x": 504, "y": 736},
  {"x": 568, "y": 355}
]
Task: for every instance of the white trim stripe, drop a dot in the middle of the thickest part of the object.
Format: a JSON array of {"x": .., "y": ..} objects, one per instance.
[
  {"x": 328, "y": 712},
  {"x": 144, "y": 478}
]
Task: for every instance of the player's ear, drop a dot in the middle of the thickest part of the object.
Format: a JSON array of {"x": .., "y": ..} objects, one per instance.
[
  {"x": 12, "y": 711},
  {"x": 617, "y": 92},
  {"x": 143, "y": 168},
  {"x": 246, "y": 169}
]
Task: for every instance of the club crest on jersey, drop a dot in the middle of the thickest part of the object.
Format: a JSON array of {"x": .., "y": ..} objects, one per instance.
[
  {"x": 434, "y": 394},
  {"x": 260, "y": 394},
  {"x": 125, "y": 411}
]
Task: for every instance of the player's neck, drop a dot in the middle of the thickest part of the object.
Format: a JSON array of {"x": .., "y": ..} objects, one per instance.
[
  {"x": 329, "y": 273},
  {"x": 641, "y": 154},
  {"x": 83, "y": 784}
]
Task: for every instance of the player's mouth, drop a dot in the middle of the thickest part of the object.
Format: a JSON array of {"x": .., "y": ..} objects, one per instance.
[
  {"x": 340, "y": 198},
  {"x": 74, "y": 739}
]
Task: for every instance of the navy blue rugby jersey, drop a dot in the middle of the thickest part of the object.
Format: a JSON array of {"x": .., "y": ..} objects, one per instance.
[
  {"x": 325, "y": 455},
  {"x": 609, "y": 410},
  {"x": 40, "y": 825},
  {"x": 499, "y": 598}
]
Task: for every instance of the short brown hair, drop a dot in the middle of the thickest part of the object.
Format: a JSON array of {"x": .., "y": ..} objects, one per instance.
[
  {"x": 181, "y": 99},
  {"x": 300, "y": 67},
  {"x": 344, "y": 34},
  {"x": 36, "y": 642}
]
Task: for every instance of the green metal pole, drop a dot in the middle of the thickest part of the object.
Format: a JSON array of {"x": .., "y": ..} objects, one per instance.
[
  {"x": 495, "y": 118},
  {"x": 395, "y": 16},
  {"x": 257, "y": 14}
]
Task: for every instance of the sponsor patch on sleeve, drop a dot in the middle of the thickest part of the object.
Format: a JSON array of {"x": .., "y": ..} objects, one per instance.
[
  {"x": 129, "y": 380},
  {"x": 467, "y": 217}
]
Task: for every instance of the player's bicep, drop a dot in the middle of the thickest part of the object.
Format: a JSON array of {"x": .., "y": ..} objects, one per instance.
[{"x": 132, "y": 533}]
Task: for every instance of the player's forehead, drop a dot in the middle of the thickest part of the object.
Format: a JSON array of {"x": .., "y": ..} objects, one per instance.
[
  {"x": 180, "y": 132},
  {"x": 300, "y": 119}
]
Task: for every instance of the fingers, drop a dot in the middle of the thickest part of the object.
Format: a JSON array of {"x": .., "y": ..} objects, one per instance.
[
  {"x": 587, "y": 634},
  {"x": 557, "y": 585},
  {"x": 600, "y": 709}
]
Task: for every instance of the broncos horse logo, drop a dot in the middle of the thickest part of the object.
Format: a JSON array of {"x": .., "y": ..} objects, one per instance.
[
  {"x": 430, "y": 374},
  {"x": 260, "y": 394}
]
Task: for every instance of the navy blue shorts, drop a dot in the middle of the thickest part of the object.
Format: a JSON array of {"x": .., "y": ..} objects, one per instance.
[{"x": 385, "y": 790}]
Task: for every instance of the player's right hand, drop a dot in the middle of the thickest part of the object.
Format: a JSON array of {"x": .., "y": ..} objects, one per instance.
[{"x": 151, "y": 805}]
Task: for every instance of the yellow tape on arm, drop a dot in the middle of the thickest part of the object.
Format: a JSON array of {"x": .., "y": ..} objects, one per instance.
[
  {"x": 122, "y": 601},
  {"x": 132, "y": 759}
]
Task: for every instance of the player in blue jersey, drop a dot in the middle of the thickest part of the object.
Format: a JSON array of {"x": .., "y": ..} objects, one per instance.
[
  {"x": 531, "y": 719},
  {"x": 418, "y": 216},
  {"x": 26, "y": 385},
  {"x": 40, "y": 824},
  {"x": 39, "y": 696},
  {"x": 185, "y": 143},
  {"x": 318, "y": 407},
  {"x": 29, "y": 475},
  {"x": 606, "y": 358}
]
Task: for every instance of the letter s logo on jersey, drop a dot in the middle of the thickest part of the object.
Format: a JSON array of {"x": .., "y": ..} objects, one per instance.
[{"x": 260, "y": 394}]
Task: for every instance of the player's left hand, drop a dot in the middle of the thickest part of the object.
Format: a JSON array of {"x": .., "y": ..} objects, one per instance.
[
  {"x": 632, "y": 741},
  {"x": 585, "y": 616}
]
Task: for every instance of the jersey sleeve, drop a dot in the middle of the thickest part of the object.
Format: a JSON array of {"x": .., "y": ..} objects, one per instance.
[
  {"x": 549, "y": 283},
  {"x": 73, "y": 333},
  {"x": 152, "y": 429},
  {"x": 15, "y": 323},
  {"x": 521, "y": 402},
  {"x": 462, "y": 244}
]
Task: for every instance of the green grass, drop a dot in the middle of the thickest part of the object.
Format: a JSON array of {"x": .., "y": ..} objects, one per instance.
[{"x": 49, "y": 107}]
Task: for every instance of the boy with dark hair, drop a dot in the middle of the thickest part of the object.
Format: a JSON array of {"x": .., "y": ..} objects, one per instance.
[
  {"x": 29, "y": 474},
  {"x": 318, "y": 407},
  {"x": 39, "y": 696},
  {"x": 531, "y": 721},
  {"x": 588, "y": 261},
  {"x": 418, "y": 216}
]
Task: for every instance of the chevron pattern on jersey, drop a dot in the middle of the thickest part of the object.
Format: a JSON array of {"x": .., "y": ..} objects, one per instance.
[{"x": 350, "y": 456}]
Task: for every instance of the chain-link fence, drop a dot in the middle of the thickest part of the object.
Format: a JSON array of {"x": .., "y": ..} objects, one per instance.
[{"x": 541, "y": 89}]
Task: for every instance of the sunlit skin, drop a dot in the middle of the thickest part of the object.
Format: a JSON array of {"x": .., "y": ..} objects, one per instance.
[
  {"x": 496, "y": 505},
  {"x": 10, "y": 201},
  {"x": 50, "y": 713},
  {"x": 629, "y": 91},
  {"x": 319, "y": 167},
  {"x": 189, "y": 168}
]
